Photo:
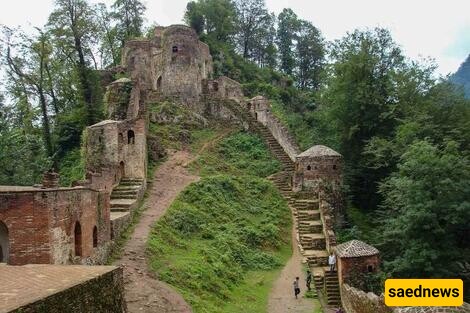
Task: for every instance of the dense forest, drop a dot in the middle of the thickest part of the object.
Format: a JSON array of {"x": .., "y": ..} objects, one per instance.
[{"x": 404, "y": 133}]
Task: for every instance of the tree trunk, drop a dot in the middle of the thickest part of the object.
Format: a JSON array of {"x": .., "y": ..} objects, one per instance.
[{"x": 84, "y": 81}]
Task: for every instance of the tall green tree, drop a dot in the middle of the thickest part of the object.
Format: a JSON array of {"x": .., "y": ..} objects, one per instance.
[
  {"x": 252, "y": 17},
  {"x": 111, "y": 43},
  {"x": 425, "y": 231},
  {"x": 129, "y": 15},
  {"x": 264, "y": 52},
  {"x": 310, "y": 56},
  {"x": 73, "y": 25},
  {"x": 214, "y": 19},
  {"x": 288, "y": 25},
  {"x": 26, "y": 60},
  {"x": 361, "y": 100}
]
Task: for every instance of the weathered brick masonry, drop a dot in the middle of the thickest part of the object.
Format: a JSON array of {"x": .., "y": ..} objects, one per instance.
[
  {"x": 61, "y": 289},
  {"x": 55, "y": 225}
]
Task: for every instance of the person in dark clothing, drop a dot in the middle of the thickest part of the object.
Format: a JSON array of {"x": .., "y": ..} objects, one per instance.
[
  {"x": 296, "y": 287},
  {"x": 309, "y": 279}
]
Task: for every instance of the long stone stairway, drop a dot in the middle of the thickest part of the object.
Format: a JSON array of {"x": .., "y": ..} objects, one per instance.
[{"x": 305, "y": 208}]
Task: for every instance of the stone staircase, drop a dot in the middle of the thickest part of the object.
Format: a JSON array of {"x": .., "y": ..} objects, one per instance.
[
  {"x": 124, "y": 198},
  {"x": 305, "y": 208},
  {"x": 332, "y": 288}
]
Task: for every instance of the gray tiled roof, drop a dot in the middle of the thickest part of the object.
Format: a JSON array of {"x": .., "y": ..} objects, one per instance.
[
  {"x": 355, "y": 248},
  {"x": 319, "y": 150}
]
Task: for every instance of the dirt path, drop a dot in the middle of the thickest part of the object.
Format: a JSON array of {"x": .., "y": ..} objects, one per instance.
[
  {"x": 281, "y": 298},
  {"x": 143, "y": 292}
]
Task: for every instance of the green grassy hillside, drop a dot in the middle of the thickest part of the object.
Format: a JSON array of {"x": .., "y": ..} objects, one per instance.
[{"x": 224, "y": 239}]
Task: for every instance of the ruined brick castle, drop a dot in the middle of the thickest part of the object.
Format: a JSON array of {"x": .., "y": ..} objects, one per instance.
[{"x": 48, "y": 224}]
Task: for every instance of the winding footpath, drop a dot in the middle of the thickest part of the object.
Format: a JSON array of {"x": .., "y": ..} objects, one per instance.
[
  {"x": 143, "y": 292},
  {"x": 281, "y": 298}
]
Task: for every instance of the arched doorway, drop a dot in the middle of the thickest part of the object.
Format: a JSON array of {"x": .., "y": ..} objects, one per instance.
[
  {"x": 78, "y": 239},
  {"x": 130, "y": 137},
  {"x": 4, "y": 243},
  {"x": 121, "y": 169},
  {"x": 159, "y": 84},
  {"x": 95, "y": 237}
]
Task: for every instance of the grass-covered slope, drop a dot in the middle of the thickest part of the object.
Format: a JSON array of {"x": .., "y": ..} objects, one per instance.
[
  {"x": 238, "y": 154},
  {"x": 224, "y": 239}
]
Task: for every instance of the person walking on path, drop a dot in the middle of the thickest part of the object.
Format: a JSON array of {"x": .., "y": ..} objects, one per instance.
[
  {"x": 309, "y": 279},
  {"x": 332, "y": 262},
  {"x": 296, "y": 287}
]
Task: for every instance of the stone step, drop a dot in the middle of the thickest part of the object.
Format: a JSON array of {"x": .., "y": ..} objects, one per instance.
[
  {"x": 130, "y": 183},
  {"x": 113, "y": 196},
  {"x": 127, "y": 188},
  {"x": 316, "y": 257},
  {"x": 122, "y": 203},
  {"x": 119, "y": 209},
  {"x": 125, "y": 192}
]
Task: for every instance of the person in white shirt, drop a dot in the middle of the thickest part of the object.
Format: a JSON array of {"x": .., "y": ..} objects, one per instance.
[{"x": 332, "y": 262}]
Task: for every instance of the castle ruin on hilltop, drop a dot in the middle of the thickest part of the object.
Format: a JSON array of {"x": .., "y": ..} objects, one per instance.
[{"x": 48, "y": 224}]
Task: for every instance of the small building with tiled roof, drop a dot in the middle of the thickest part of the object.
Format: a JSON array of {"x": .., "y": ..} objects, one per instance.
[
  {"x": 316, "y": 164},
  {"x": 356, "y": 257}
]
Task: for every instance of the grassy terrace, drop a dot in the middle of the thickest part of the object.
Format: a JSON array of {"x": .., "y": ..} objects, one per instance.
[{"x": 225, "y": 238}]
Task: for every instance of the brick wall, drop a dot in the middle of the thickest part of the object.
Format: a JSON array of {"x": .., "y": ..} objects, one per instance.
[
  {"x": 41, "y": 224},
  {"x": 44, "y": 290},
  {"x": 347, "y": 267}
]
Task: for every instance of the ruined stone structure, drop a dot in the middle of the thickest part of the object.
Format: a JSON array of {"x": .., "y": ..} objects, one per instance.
[
  {"x": 355, "y": 257},
  {"x": 173, "y": 63},
  {"x": 53, "y": 225},
  {"x": 49, "y": 224},
  {"x": 316, "y": 165}
]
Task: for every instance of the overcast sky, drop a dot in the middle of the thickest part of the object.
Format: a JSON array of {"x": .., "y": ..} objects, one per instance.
[{"x": 424, "y": 28}]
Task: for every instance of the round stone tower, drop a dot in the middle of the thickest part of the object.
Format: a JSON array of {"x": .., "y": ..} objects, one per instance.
[
  {"x": 317, "y": 164},
  {"x": 182, "y": 64}
]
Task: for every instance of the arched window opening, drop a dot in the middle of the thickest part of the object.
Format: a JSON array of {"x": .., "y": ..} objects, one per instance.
[
  {"x": 334, "y": 166},
  {"x": 370, "y": 268},
  {"x": 309, "y": 168},
  {"x": 174, "y": 49},
  {"x": 215, "y": 85},
  {"x": 95, "y": 237},
  {"x": 159, "y": 83},
  {"x": 78, "y": 239},
  {"x": 130, "y": 137},
  {"x": 4, "y": 243},
  {"x": 248, "y": 106}
]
